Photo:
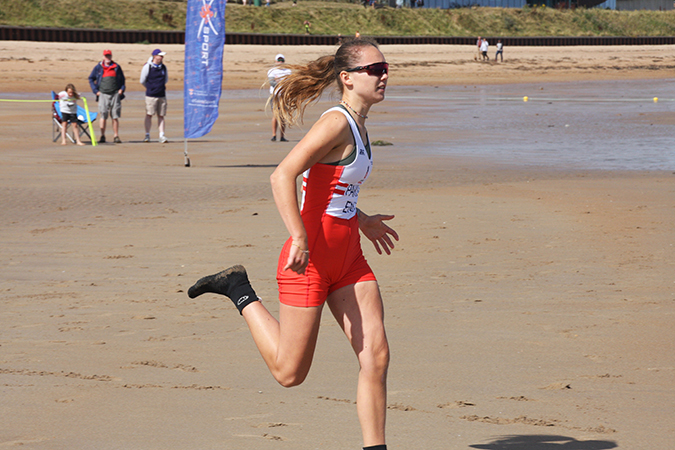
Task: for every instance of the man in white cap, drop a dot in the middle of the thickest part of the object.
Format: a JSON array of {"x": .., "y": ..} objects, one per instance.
[
  {"x": 154, "y": 77},
  {"x": 274, "y": 75}
]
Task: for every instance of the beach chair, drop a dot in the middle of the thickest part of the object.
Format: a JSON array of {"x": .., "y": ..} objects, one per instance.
[{"x": 57, "y": 128}]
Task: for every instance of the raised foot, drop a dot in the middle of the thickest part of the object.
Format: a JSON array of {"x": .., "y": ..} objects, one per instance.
[{"x": 220, "y": 283}]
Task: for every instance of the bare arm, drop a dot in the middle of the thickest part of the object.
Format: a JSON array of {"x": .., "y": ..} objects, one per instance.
[{"x": 329, "y": 136}]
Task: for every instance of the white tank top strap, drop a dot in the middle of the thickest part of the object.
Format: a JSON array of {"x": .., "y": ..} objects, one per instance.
[{"x": 352, "y": 124}]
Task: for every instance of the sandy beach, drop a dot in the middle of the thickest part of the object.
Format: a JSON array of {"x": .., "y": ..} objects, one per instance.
[
  {"x": 527, "y": 307},
  {"x": 44, "y": 66}
]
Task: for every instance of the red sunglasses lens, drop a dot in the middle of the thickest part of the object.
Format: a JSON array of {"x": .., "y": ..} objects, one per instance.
[{"x": 377, "y": 68}]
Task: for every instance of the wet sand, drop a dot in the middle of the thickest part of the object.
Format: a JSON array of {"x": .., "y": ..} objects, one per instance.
[{"x": 527, "y": 307}]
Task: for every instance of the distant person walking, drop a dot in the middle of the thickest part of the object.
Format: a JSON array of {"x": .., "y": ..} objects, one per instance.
[
  {"x": 500, "y": 50},
  {"x": 154, "y": 77},
  {"x": 274, "y": 75},
  {"x": 68, "y": 105},
  {"x": 108, "y": 84},
  {"x": 484, "y": 49},
  {"x": 478, "y": 44}
]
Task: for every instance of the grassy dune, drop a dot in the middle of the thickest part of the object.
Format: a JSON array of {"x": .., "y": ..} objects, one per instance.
[{"x": 341, "y": 17}]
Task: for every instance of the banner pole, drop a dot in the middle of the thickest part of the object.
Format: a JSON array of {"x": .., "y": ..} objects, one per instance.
[
  {"x": 185, "y": 152},
  {"x": 203, "y": 71}
]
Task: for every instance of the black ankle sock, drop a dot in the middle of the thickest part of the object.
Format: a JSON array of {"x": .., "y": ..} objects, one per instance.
[
  {"x": 376, "y": 447},
  {"x": 232, "y": 283},
  {"x": 242, "y": 295}
]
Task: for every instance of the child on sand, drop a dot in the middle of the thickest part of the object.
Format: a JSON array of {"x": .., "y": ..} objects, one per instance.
[{"x": 68, "y": 104}]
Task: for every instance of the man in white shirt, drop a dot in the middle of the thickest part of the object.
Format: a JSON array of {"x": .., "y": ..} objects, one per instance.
[
  {"x": 484, "y": 49},
  {"x": 274, "y": 75},
  {"x": 500, "y": 50}
]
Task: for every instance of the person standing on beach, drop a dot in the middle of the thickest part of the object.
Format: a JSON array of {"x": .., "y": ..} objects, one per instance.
[
  {"x": 478, "y": 44},
  {"x": 154, "y": 77},
  {"x": 274, "y": 76},
  {"x": 322, "y": 261},
  {"x": 108, "y": 84},
  {"x": 484, "y": 49},
  {"x": 500, "y": 51}
]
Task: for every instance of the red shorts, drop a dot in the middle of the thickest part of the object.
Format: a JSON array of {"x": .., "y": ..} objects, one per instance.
[{"x": 335, "y": 261}]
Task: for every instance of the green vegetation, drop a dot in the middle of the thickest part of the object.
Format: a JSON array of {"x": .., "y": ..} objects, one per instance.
[{"x": 345, "y": 18}]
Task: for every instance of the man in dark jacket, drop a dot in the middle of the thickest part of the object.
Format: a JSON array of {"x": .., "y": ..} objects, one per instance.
[
  {"x": 108, "y": 83},
  {"x": 154, "y": 77}
]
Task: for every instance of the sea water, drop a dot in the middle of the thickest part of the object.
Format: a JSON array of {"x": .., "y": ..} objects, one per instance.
[{"x": 599, "y": 125}]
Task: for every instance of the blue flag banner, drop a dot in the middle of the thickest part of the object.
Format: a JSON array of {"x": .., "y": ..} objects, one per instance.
[{"x": 204, "y": 41}]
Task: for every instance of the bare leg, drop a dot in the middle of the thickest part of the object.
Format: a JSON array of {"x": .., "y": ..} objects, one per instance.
[
  {"x": 274, "y": 127},
  {"x": 64, "y": 130},
  {"x": 116, "y": 127},
  {"x": 287, "y": 345},
  {"x": 148, "y": 123},
  {"x": 160, "y": 125},
  {"x": 76, "y": 129},
  {"x": 359, "y": 311},
  {"x": 282, "y": 129},
  {"x": 103, "y": 126}
]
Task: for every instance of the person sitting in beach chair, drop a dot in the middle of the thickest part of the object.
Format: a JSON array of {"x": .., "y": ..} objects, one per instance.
[{"x": 80, "y": 126}]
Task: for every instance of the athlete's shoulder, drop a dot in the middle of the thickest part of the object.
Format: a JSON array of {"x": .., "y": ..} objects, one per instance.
[
  {"x": 334, "y": 118},
  {"x": 333, "y": 127}
]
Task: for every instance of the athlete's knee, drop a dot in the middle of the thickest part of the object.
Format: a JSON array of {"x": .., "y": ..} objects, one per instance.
[
  {"x": 382, "y": 358},
  {"x": 374, "y": 360},
  {"x": 290, "y": 375},
  {"x": 289, "y": 379}
]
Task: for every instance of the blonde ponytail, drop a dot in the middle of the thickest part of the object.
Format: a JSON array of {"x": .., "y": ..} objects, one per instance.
[{"x": 306, "y": 83}]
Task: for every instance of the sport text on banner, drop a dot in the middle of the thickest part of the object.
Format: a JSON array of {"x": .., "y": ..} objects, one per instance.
[{"x": 204, "y": 41}]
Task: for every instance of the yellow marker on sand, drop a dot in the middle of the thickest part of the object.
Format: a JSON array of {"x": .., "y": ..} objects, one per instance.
[
  {"x": 91, "y": 129},
  {"x": 526, "y": 98}
]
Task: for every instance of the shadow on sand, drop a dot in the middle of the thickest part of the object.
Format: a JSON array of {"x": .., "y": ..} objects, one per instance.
[
  {"x": 245, "y": 166},
  {"x": 544, "y": 442}
]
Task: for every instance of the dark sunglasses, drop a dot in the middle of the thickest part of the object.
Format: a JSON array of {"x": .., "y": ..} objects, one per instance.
[{"x": 377, "y": 69}]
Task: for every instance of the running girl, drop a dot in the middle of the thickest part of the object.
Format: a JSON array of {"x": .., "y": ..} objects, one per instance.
[{"x": 322, "y": 262}]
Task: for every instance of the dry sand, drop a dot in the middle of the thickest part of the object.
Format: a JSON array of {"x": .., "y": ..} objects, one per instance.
[
  {"x": 526, "y": 308},
  {"x": 44, "y": 66}
]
